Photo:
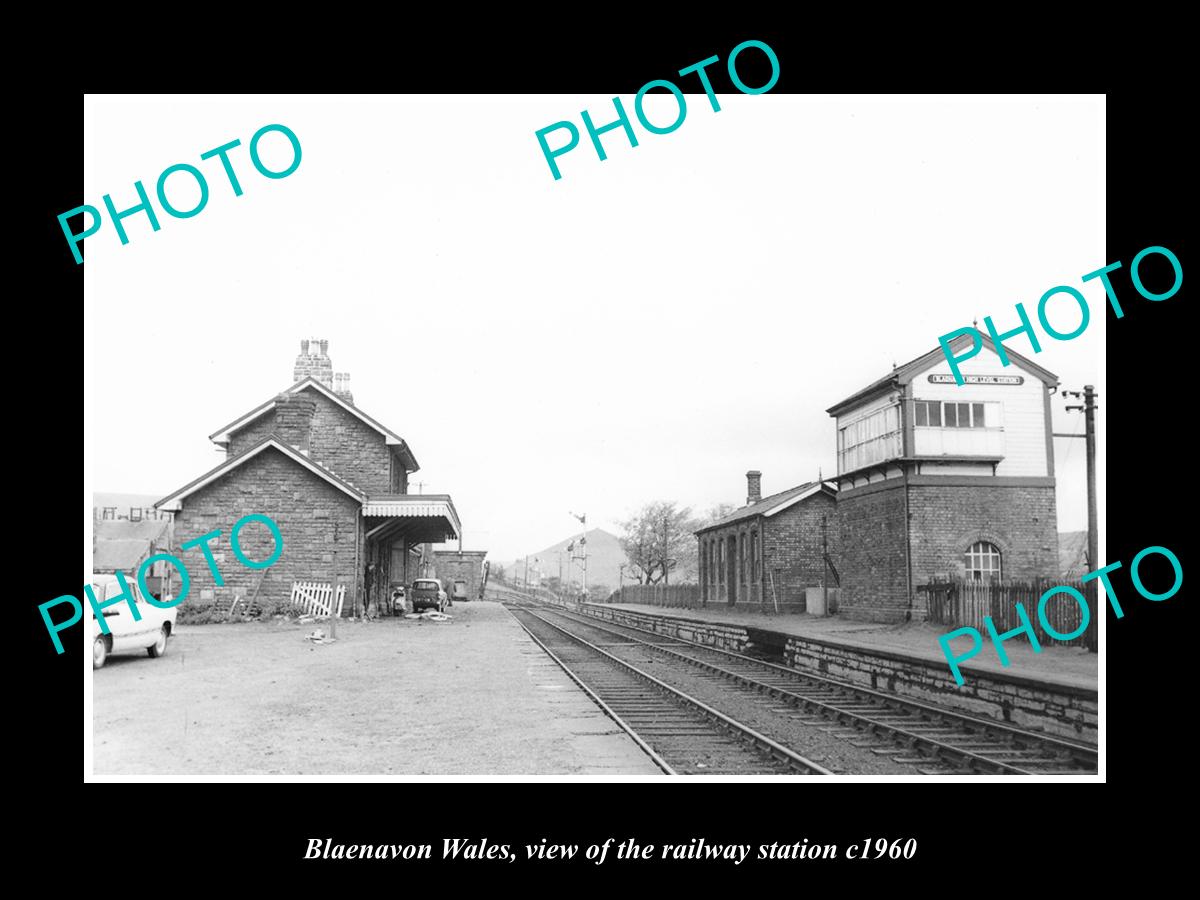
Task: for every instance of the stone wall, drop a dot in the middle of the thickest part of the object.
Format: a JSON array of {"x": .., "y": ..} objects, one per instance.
[
  {"x": 351, "y": 448},
  {"x": 242, "y": 440},
  {"x": 712, "y": 634},
  {"x": 1060, "y": 710},
  {"x": 341, "y": 442},
  {"x": 313, "y": 516}
]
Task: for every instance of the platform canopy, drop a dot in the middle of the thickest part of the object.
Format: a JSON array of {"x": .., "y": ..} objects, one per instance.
[{"x": 419, "y": 518}]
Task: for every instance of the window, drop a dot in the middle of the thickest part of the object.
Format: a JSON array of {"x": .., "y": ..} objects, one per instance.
[
  {"x": 873, "y": 438},
  {"x": 935, "y": 414},
  {"x": 983, "y": 562},
  {"x": 928, "y": 412}
]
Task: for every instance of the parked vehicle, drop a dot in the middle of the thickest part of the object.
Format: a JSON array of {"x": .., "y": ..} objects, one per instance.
[
  {"x": 427, "y": 593},
  {"x": 150, "y": 633}
]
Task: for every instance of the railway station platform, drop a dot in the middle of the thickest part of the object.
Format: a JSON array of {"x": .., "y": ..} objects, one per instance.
[
  {"x": 1067, "y": 666},
  {"x": 1054, "y": 690}
]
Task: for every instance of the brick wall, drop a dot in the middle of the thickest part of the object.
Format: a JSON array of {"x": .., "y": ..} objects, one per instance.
[
  {"x": 946, "y": 520},
  {"x": 792, "y": 546},
  {"x": 307, "y": 510},
  {"x": 872, "y": 554},
  {"x": 341, "y": 442}
]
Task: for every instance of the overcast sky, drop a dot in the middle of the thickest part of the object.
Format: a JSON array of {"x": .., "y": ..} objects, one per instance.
[{"x": 648, "y": 327}]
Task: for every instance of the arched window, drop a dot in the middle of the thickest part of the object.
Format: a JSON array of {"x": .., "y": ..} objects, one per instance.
[{"x": 983, "y": 562}]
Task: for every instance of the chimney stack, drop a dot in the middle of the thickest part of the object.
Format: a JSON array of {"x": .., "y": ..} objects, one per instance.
[
  {"x": 293, "y": 420},
  {"x": 313, "y": 362},
  {"x": 753, "y": 486}
]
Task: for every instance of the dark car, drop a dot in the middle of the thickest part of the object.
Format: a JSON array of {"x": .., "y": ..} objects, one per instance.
[{"x": 427, "y": 593}]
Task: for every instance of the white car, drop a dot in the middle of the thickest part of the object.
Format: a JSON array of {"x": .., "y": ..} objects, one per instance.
[{"x": 150, "y": 633}]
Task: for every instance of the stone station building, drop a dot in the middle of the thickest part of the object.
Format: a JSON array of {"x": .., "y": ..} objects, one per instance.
[{"x": 332, "y": 478}]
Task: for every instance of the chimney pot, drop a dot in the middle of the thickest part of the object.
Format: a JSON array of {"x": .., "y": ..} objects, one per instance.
[{"x": 753, "y": 486}]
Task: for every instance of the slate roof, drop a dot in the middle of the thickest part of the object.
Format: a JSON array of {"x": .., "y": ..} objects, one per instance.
[
  {"x": 905, "y": 373},
  {"x": 768, "y": 506},
  {"x": 119, "y": 556},
  {"x": 125, "y": 530},
  {"x": 221, "y": 435}
]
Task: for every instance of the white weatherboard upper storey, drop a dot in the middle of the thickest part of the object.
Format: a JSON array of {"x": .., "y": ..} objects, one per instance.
[
  {"x": 1016, "y": 431},
  {"x": 1021, "y": 438}
]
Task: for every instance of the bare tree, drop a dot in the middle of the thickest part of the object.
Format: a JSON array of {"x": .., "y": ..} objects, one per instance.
[
  {"x": 659, "y": 538},
  {"x": 637, "y": 540}
]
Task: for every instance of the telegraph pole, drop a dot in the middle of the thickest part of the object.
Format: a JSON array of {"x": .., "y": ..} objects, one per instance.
[{"x": 1088, "y": 407}]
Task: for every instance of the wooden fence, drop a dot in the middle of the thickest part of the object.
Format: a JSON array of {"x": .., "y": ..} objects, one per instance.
[
  {"x": 312, "y": 598},
  {"x": 681, "y": 596},
  {"x": 959, "y": 603}
]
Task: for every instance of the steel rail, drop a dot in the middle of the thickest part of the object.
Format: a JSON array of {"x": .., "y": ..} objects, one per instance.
[{"x": 744, "y": 732}]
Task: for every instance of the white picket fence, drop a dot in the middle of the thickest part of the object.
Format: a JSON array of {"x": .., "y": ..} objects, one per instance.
[{"x": 312, "y": 598}]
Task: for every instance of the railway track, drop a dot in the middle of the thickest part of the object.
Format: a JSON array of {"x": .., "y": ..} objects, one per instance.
[
  {"x": 680, "y": 733},
  {"x": 934, "y": 740}
]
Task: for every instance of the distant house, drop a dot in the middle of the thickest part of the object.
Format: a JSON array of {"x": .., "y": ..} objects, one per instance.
[
  {"x": 460, "y": 566},
  {"x": 126, "y": 508},
  {"x": 770, "y": 552},
  {"x": 123, "y": 545},
  {"x": 332, "y": 478}
]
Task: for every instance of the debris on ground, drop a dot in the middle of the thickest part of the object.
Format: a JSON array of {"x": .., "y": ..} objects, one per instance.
[
  {"x": 319, "y": 637},
  {"x": 432, "y": 616},
  {"x": 306, "y": 620}
]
